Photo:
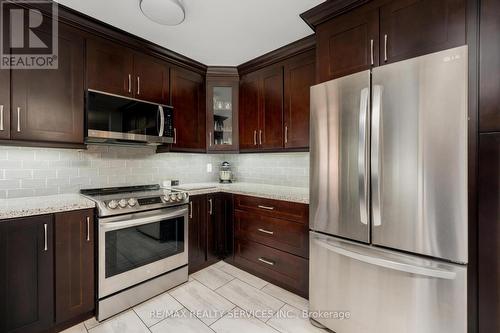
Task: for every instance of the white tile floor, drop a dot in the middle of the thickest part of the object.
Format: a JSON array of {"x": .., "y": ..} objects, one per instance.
[{"x": 220, "y": 298}]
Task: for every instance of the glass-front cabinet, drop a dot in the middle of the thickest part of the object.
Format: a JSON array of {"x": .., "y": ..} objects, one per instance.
[{"x": 222, "y": 109}]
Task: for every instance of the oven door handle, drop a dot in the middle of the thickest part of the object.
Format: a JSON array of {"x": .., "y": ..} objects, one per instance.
[{"x": 108, "y": 225}]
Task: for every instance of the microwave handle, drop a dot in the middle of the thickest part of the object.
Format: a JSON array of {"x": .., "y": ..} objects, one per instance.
[{"x": 162, "y": 120}]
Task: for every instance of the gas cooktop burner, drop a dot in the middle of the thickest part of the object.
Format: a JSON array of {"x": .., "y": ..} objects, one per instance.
[{"x": 130, "y": 199}]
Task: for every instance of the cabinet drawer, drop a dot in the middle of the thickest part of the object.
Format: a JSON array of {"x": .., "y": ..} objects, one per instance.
[
  {"x": 277, "y": 233},
  {"x": 283, "y": 269},
  {"x": 275, "y": 208}
]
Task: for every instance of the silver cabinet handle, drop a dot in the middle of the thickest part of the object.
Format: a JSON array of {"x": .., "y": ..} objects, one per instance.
[
  {"x": 375, "y": 155},
  {"x": 286, "y": 134},
  {"x": 175, "y": 135},
  {"x": 255, "y": 138},
  {"x": 138, "y": 85},
  {"x": 46, "y": 245},
  {"x": 266, "y": 207},
  {"x": 267, "y": 262},
  {"x": 190, "y": 209},
  {"x": 18, "y": 119},
  {"x": 130, "y": 83},
  {"x": 363, "y": 156},
  {"x": 371, "y": 52},
  {"x": 88, "y": 229},
  {"x": 1, "y": 117},
  {"x": 385, "y": 48},
  {"x": 266, "y": 231},
  {"x": 260, "y": 137},
  {"x": 210, "y": 205},
  {"x": 210, "y": 139}
]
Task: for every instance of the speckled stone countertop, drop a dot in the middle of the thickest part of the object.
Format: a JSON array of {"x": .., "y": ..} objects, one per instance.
[
  {"x": 19, "y": 207},
  {"x": 285, "y": 193}
]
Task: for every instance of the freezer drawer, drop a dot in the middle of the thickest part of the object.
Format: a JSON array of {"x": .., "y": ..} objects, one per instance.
[{"x": 384, "y": 291}]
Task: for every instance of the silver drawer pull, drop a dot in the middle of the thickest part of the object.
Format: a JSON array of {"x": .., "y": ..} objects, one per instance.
[
  {"x": 266, "y": 231},
  {"x": 266, "y": 207},
  {"x": 18, "y": 119},
  {"x": 267, "y": 262},
  {"x": 1, "y": 117},
  {"x": 88, "y": 229},
  {"x": 46, "y": 245}
]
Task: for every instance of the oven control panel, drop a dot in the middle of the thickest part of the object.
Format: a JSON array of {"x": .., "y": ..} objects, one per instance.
[{"x": 157, "y": 201}]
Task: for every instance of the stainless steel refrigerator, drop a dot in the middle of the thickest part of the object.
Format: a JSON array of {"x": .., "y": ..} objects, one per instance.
[{"x": 388, "y": 198}]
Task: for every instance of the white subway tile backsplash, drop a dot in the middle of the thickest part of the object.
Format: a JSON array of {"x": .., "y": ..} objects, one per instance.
[{"x": 41, "y": 171}]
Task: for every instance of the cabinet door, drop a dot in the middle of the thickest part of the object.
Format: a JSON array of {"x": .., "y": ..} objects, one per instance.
[
  {"x": 48, "y": 105},
  {"x": 74, "y": 264},
  {"x": 151, "y": 79},
  {"x": 249, "y": 112},
  {"x": 189, "y": 110},
  {"x": 222, "y": 114},
  {"x": 271, "y": 114},
  {"x": 4, "y": 104},
  {"x": 109, "y": 67},
  {"x": 489, "y": 67},
  {"x": 197, "y": 240},
  {"x": 489, "y": 232},
  {"x": 347, "y": 44},
  {"x": 26, "y": 274},
  {"x": 417, "y": 27},
  {"x": 300, "y": 75}
]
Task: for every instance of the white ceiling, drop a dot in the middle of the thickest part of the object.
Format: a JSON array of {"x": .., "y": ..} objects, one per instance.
[{"x": 215, "y": 32}]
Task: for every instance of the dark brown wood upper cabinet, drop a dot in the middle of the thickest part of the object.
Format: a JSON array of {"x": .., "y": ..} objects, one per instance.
[
  {"x": 197, "y": 239},
  {"x": 347, "y": 44},
  {"x": 26, "y": 278},
  {"x": 249, "y": 112},
  {"x": 188, "y": 100},
  {"x": 222, "y": 110},
  {"x": 300, "y": 75},
  {"x": 74, "y": 264},
  {"x": 411, "y": 28},
  {"x": 109, "y": 67},
  {"x": 271, "y": 109},
  {"x": 489, "y": 67},
  {"x": 4, "y": 104},
  {"x": 261, "y": 110},
  {"x": 48, "y": 105},
  {"x": 151, "y": 79}
]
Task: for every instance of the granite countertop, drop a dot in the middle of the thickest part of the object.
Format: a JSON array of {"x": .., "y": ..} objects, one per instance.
[
  {"x": 286, "y": 193},
  {"x": 19, "y": 207}
]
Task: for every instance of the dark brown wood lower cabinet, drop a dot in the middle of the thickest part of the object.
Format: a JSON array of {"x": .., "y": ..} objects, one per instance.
[
  {"x": 26, "y": 274},
  {"x": 197, "y": 239},
  {"x": 74, "y": 264},
  {"x": 281, "y": 268},
  {"x": 489, "y": 233}
]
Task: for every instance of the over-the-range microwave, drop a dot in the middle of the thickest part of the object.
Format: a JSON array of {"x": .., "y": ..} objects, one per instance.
[{"x": 115, "y": 119}]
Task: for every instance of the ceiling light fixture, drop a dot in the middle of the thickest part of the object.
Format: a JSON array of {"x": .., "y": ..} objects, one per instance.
[{"x": 165, "y": 12}]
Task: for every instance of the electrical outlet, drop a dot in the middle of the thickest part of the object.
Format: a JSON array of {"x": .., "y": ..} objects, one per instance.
[{"x": 209, "y": 167}]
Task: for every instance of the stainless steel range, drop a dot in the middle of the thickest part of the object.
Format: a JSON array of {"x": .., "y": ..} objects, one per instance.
[{"x": 142, "y": 244}]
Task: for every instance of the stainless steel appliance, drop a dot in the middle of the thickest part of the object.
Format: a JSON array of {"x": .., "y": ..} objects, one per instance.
[
  {"x": 142, "y": 244},
  {"x": 225, "y": 173},
  {"x": 121, "y": 120},
  {"x": 388, "y": 202}
]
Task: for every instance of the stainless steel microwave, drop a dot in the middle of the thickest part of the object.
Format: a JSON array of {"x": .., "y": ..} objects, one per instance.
[{"x": 121, "y": 120}]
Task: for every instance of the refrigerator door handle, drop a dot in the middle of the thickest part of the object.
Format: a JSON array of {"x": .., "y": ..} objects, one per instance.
[
  {"x": 390, "y": 264},
  {"x": 362, "y": 156},
  {"x": 375, "y": 154}
]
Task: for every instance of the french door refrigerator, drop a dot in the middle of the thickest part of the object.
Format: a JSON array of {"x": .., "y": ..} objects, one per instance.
[{"x": 388, "y": 198}]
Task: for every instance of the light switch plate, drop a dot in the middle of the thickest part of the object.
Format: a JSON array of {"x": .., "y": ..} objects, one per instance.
[{"x": 209, "y": 167}]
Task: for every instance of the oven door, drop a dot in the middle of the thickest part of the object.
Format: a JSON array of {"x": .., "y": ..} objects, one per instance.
[{"x": 137, "y": 247}]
